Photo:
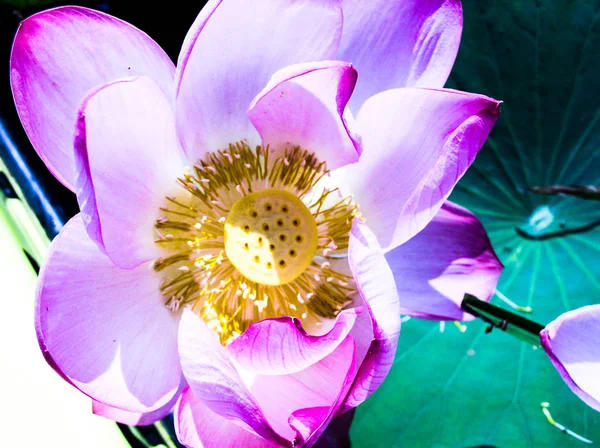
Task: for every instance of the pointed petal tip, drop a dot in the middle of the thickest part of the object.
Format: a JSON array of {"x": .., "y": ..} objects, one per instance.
[{"x": 418, "y": 144}]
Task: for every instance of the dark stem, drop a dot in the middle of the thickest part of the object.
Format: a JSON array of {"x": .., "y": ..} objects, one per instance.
[
  {"x": 511, "y": 323},
  {"x": 582, "y": 192}
]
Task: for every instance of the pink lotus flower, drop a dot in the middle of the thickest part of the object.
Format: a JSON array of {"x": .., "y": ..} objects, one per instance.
[
  {"x": 572, "y": 342},
  {"x": 221, "y": 189}
]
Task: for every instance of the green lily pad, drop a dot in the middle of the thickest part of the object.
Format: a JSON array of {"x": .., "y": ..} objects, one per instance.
[{"x": 456, "y": 389}]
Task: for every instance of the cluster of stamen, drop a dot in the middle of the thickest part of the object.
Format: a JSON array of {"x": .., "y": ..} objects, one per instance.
[{"x": 253, "y": 236}]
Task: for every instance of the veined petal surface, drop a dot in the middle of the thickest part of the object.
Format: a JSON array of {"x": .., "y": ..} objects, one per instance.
[
  {"x": 417, "y": 144},
  {"x": 400, "y": 43},
  {"x": 128, "y": 161},
  {"x": 450, "y": 257},
  {"x": 306, "y": 400},
  {"x": 95, "y": 323},
  {"x": 58, "y": 56},
  {"x": 305, "y": 105},
  {"x": 281, "y": 345},
  {"x": 232, "y": 50}
]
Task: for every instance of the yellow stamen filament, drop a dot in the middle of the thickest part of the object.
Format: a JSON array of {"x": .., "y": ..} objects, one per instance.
[{"x": 234, "y": 268}]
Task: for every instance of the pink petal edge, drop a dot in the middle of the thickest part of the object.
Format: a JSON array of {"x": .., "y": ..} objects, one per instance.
[
  {"x": 215, "y": 381},
  {"x": 572, "y": 342},
  {"x": 450, "y": 257},
  {"x": 114, "y": 315},
  {"x": 127, "y": 161},
  {"x": 305, "y": 105},
  {"x": 417, "y": 144},
  {"x": 294, "y": 351},
  {"x": 58, "y": 55},
  {"x": 375, "y": 283},
  {"x": 197, "y": 426},
  {"x": 416, "y": 48},
  {"x": 137, "y": 418},
  {"x": 230, "y": 53},
  {"x": 306, "y": 400}
]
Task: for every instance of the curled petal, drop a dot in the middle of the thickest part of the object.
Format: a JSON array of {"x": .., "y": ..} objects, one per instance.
[
  {"x": 303, "y": 105},
  {"x": 58, "y": 56},
  {"x": 280, "y": 346},
  {"x": 199, "y": 427},
  {"x": 279, "y": 408},
  {"x": 573, "y": 344},
  {"x": 375, "y": 283},
  {"x": 417, "y": 144},
  {"x": 400, "y": 43},
  {"x": 215, "y": 381},
  {"x": 229, "y": 54},
  {"x": 95, "y": 322},
  {"x": 302, "y": 404},
  {"x": 448, "y": 258},
  {"x": 128, "y": 159}
]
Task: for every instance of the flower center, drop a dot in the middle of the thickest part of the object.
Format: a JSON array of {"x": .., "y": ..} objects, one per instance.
[
  {"x": 270, "y": 236},
  {"x": 252, "y": 236}
]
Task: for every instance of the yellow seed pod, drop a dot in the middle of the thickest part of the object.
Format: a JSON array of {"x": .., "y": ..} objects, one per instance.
[{"x": 270, "y": 236}]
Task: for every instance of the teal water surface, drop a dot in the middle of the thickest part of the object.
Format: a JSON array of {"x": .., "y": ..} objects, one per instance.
[{"x": 456, "y": 389}]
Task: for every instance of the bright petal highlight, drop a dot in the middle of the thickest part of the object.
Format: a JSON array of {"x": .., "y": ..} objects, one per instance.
[
  {"x": 305, "y": 105},
  {"x": 83, "y": 297}
]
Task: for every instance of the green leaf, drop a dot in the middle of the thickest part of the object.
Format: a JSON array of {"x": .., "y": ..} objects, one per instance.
[{"x": 453, "y": 389}]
